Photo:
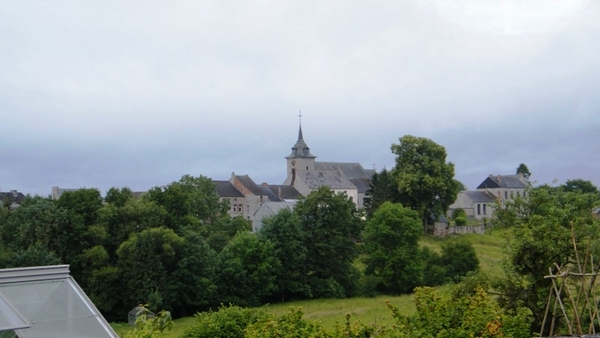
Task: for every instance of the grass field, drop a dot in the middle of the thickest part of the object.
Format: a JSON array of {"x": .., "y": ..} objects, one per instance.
[{"x": 368, "y": 310}]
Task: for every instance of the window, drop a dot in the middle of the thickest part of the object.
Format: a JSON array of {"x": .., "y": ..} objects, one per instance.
[
  {"x": 506, "y": 195},
  {"x": 484, "y": 209},
  {"x": 478, "y": 209},
  {"x": 518, "y": 194},
  {"x": 511, "y": 194}
]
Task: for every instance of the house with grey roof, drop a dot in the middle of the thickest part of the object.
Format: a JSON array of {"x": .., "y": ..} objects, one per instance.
[
  {"x": 237, "y": 201},
  {"x": 480, "y": 203},
  {"x": 12, "y": 198},
  {"x": 269, "y": 209},
  {"x": 505, "y": 187}
]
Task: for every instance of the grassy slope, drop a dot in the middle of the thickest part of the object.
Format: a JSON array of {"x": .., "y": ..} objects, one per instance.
[{"x": 369, "y": 310}]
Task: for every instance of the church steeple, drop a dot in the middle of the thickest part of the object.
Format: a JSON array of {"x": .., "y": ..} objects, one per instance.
[
  {"x": 300, "y": 149},
  {"x": 300, "y": 158}
]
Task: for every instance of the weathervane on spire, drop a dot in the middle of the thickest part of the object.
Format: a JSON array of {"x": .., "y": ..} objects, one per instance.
[{"x": 300, "y": 116}]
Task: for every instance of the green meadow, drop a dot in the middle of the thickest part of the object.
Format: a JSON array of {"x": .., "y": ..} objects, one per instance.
[{"x": 331, "y": 312}]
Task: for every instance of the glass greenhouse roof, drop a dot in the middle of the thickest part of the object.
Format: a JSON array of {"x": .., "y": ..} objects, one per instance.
[{"x": 47, "y": 302}]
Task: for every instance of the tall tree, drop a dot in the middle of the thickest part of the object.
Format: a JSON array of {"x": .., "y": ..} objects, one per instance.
[
  {"x": 523, "y": 170},
  {"x": 391, "y": 248},
  {"x": 383, "y": 188},
  {"x": 190, "y": 202},
  {"x": 285, "y": 232},
  {"x": 331, "y": 227},
  {"x": 147, "y": 261},
  {"x": 247, "y": 268},
  {"x": 425, "y": 180}
]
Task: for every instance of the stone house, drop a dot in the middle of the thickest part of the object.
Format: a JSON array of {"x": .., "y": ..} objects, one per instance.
[{"x": 480, "y": 203}]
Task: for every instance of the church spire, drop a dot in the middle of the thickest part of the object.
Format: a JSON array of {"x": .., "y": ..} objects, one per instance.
[{"x": 300, "y": 149}]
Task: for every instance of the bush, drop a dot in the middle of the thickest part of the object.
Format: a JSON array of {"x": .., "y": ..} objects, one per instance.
[
  {"x": 458, "y": 212},
  {"x": 460, "y": 220},
  {"x": 289, "y": 325},
  {"x": 228, "y": 322}
]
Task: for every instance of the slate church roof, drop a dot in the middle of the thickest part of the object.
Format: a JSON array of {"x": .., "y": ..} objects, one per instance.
[
  {"x": 300, "y": 149},
  {"x": 351, "y": 170},
  {"x": 317, "y": 178},
  {"x": 504, "y": 181}
]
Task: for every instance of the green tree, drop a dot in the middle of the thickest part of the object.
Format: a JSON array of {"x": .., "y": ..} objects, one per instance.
[
  {"x": 194, "y": 280},
  {"x": 118, "y": 197},
  {"x": 425, "y": 180},
  {"x": 146, "y": 262},
  {"x": 383, "y": 188},
  {"x": 542, "y": 228},
  {"x": 523, "y": 170},
  {"x": 580, "y": 185},
  {"x": 247, "y": 270},
  {"x": 331, "y": 227},
  {"x": 222, "y": 230},
  {"x": 285, "y": 232},
  {"x": 189, "y": 202},
  {"x": 391, "y": 248},
  {"x": 84, "y": 203},
  {"x": 120, "y": 220},
  {"x": 458, "y": 258}
]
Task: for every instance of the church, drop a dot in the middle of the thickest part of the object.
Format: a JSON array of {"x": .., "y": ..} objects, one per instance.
[{"x": 304, "y": 174}]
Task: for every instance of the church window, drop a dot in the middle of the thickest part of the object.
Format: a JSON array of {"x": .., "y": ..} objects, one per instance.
[
  {"x": 478, "y": 209},
  {"x": 484, "y": 209},
  {"x": 506, "y": 195}
]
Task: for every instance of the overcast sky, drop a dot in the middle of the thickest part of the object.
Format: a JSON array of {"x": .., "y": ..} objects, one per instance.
[{"x": 139, "y": 93}]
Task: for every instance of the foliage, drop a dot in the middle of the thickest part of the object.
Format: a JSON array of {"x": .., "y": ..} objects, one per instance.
[
  {"x": 580, "y": 185},
  {"x": 194, "y": 278},
  {"x": 457, "y": 259},
  {"x": 382, "y": 188},
  {"x": 84, "y": 203},
  {"x": 444, "y": 315},
  {"x": 289, "y": 325},
  {"x": 391, "y": 248},
  {"x": 461, "y": 221},
  {"x": 543, "y": 227},
  {"x": 523, "y": 170},
  {"x": 189, "y": 202},
  {"x": 118, "y": 197},
  {"x": 285, "y": 232},
  {"x": 150, "y": 327},
  {"x": 331, "y": 226},
  {"x": 146, "y": 261},
  {"x": 458, "y": 212},
  {"x": 222, "y": 230},
  {"x": 425, "y": 180},
  {"x": 227, "y": 322},
  {"x": 247, "y": 270}
]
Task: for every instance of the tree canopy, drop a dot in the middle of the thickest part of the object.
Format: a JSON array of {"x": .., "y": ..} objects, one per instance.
[
  {"x": 523, "y": 170},
  {"x": 391, "y": 248},
  {"x": 425, "y": 180}
]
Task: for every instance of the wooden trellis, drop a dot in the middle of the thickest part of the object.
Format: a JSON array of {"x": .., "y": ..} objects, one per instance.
[{"x": 574, "y": 298}]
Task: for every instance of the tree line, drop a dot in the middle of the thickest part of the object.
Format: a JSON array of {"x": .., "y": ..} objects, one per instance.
[{"x": 176, "y": 247}]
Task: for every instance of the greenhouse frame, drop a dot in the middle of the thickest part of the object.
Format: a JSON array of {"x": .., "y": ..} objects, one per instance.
[{"x": 46, "y": 302}]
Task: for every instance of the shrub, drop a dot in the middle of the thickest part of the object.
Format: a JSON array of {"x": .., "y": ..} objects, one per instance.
[
  {"x": 458, "y": 212},
  {"x": 460, "y": 220},
  {"x": 290, "y": 325},
  {"x": 228, "y": 322}
]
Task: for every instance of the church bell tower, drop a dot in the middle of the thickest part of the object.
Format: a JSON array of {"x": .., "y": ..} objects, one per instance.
[{"x": 300, "y": 158}]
